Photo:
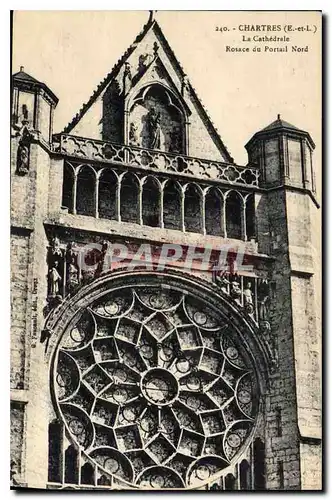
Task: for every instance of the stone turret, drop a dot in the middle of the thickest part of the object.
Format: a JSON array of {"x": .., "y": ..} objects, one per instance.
[
  {"x": 284, "y": 154},
  {"x": 33, "y": 105}
]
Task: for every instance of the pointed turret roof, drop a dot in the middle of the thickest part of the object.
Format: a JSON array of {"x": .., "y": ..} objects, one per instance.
[
  {"x": 22, "y": 75},
  {"x": 279, "y": 123},
  {"x": 278, "y": 126},
  {"x": 23, "y": 78}
]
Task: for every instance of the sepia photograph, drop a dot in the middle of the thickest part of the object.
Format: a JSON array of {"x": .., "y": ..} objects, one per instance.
[{"x": 165, "y": 259}]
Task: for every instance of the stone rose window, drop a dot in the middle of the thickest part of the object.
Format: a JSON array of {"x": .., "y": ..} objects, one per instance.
[{"x": 154, "y": 388}]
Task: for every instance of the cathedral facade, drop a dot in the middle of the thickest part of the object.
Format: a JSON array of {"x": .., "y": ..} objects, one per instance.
[{"x": 165, "y": 320}]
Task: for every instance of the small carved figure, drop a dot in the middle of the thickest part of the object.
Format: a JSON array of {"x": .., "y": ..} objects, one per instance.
[
  {"x": 55, "y": 248},
  {"x": 223, "y": 283},
  {"x": 127, "y": 71},
  {"x": 25, "y": 114},
  {"x": 55, "y": 255},
  {"x": 54, "y": 280},
  {"x": 45, "y": 335},
  {"x": 184, "y": 84},
  {"x": 20, "y": 120},
  {"x": 143, "y": 62},
  {"x": 155, "y": 48},
  {"x": 133, "y": 137},
  {"x": 263, "y": 300},
  {"x": 154, "y": 129},
  {"x": 127, "y": 78},
  {"x": 72, "y": 276},
  {"x": 248, "y": 299},
  {"x": 23, "y": 153},
  {"x": 265, "y": 327},
  {"x": 235, "y": 290},
  {"x": 101, "y": 258},
  {"x": 72, "y": 267}
]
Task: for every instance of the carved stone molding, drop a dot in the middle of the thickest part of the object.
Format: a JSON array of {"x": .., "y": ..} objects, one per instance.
[{"x": 133, "y": 156}]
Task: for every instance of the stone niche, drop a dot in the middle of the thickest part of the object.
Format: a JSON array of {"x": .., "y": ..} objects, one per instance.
[{"x": 156, "y": 121}]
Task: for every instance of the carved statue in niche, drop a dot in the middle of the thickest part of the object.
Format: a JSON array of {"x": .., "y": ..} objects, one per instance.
[
  {"x": 155, "y": 48},
  {"x": 20, "y": 120},
  {"x": 144, "y": 61},
  {"x": 133, "y": 134},
  {"x": 55, "y": 252},
  {"x": 54, "y": 280},
  {"x": 235, "y": 289},
  {"x": 154, "y": 128},
  {"x": 248, "y": 299},
  {"x": 127, "y": 78},
  {"x": 55, "y": 273},
  {"x": 127, "y": 71},
  {"x": 23, "y": 153},
  {"x": 101, "y": 259},
  {"x": 184, "y": 84},
  {"x": 263, "y": 300},
  {"x": 72, "y": 267}
]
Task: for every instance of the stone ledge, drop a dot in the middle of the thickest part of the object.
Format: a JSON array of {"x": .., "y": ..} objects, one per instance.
[{"x": 19, "y": 396}]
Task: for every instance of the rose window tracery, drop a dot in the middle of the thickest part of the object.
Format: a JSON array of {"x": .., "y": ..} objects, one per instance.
[{"x": 154, "y": 388}]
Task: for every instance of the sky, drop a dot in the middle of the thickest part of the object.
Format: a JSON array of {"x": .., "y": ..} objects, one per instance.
[{"x": 72, "y": 51}]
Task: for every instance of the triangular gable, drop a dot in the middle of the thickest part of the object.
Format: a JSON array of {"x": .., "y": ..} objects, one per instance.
[{"x": 161, "y": 64}]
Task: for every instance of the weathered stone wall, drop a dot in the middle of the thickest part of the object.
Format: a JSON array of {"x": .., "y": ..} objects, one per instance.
[
  {"x": 311, "y": 466},
  {"x": 19, "y": 289},
  {"x": 17, "y": 437},
  {"x": 284, "y": 447}
]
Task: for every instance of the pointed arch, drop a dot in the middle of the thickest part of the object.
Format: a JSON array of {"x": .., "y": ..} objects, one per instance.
[
  {"x": 172, "y": 205},
  {"x": 87, "y": 474},
  {"x": 151, "y": 197},
  {"x": 193, "y": 216},
  {"x": 230, "y": 482},
  {"x": 159, "y": 118},
  {"x": 259, "y": 464},
  {"x": 213, "y": 212},
  {"x": 71, "y": 465},
  {"x": 250, "y": 216},
  {"x": 234, "y": 203},
  {"x": 86, "y": 191},
  {"x": 68, "y": 187},
  {"x": 55, "y": 447},
  {"x": 129, "y": 198},
  {"x": 245, "y": 482},
  {"x": 107, "y": 193}
]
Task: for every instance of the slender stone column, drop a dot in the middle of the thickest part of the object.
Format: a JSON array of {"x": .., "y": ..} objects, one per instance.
[
  {"x": 202, "y": 200},
  {"x": 140, "y": 203},
  {"x": 223, "y": 216},
  {"x": 75, "y": 191},
  {"x": 161, "y": 207},
  {"x": 182, "y": 197},
  {"x": 118, "y": 200},
  {"x": 243, "y": 219},
  {"x": 97, "y": 197}
]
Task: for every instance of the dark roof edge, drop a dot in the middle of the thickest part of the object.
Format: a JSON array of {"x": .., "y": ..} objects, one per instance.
[
  {"x": 275, "y": 131},
  {"x": 114, "y": 71},
  {"x": 33, "y": 84}
]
